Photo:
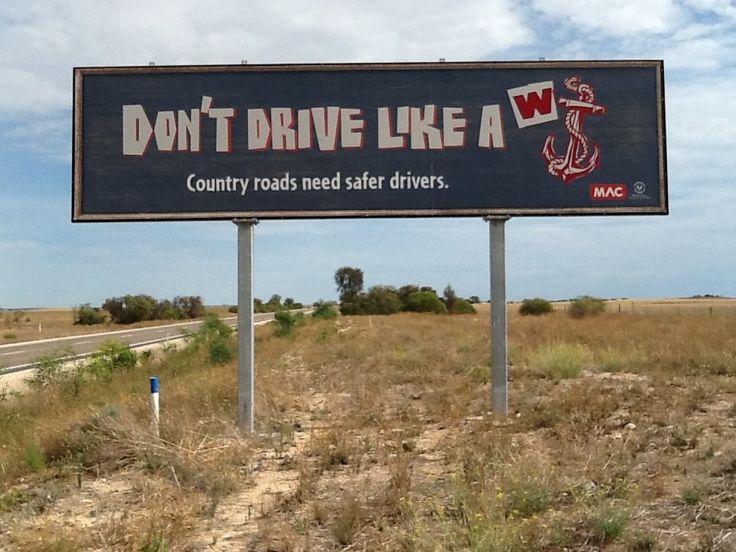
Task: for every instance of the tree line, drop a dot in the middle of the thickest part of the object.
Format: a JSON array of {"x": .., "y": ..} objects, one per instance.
[
  {"x": 383, "y": 299},
  {"x": 129, "y": 309}
]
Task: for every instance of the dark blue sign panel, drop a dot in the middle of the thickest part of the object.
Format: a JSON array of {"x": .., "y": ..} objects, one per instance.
[{"x": 301, "y": 141}]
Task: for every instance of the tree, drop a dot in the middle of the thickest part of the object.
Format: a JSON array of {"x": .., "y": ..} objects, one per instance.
[
  {"x": 349, "y": 282},
  {"x": 190, "y": 305},
  {"x": 130, "y": 309},
  {"x": 450, "y": 298}
]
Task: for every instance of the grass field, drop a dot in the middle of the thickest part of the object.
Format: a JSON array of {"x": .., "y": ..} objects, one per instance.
[{"x": 374, "y": 435}]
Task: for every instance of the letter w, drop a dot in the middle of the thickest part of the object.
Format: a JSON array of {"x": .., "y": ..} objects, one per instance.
[{"x": 533, "y": 104}]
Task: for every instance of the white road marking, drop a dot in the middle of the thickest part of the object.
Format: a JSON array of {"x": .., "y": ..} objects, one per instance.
[{"x": 12, "y": 353}]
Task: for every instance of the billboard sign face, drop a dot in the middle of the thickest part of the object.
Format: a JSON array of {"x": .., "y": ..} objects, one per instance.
[{"x": 321, "y": 141}]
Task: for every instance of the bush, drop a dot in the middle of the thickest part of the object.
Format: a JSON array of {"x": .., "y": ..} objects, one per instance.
[
  {"x": 462, "y": 306},
  {"x": 87, "y": 315},
  {"x": 213, "y": 328},
  {"x": 352, "y": 307},
  {"x": 535, "y": 307},
  {"x": 218, "y": 351},
  {"x": 425, "y": 301},
  {"x": 586, "y": 305},
  {"x": 48, "y": 369},
  {"x": 382, "y": 300},
  {"x": 233, "y": 309},
  {"x": 324, "y": 310},
  {"x": 112, "y": 356},
  {"x": 166, "y": 310},
  {"x": 285, "y": 322}
]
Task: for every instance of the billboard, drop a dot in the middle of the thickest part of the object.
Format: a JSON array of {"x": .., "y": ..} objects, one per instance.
[{"x": 369, "y": 140}]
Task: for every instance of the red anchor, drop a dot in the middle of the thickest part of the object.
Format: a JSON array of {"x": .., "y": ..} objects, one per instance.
[{"x": 574, "y": 165}]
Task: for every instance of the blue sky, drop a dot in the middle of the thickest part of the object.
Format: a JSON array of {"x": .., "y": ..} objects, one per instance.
[{"x": 45, "y": 260}]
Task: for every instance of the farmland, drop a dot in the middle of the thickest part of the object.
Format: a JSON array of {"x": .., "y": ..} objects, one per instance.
[{"x": 374, "y": 434}]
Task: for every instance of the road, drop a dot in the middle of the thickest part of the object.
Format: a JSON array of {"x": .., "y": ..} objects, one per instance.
[{"x": 20, "y": 356}]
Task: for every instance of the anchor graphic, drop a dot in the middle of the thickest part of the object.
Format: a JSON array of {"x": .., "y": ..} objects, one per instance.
[{"x": 575, "y": 163}]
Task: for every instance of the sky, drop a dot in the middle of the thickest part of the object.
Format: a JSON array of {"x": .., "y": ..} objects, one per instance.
[{"x": 47, "y": 261}]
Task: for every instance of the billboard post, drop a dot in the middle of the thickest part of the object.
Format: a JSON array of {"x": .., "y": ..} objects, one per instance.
[
  {"x": 499, "y": 356},
  {"x": 246, "y": 354}
]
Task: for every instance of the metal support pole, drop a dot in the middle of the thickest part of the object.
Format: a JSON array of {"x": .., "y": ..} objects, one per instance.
[
  {"x": 499, "y": 369},
  {"x": 246, "y": 354}
]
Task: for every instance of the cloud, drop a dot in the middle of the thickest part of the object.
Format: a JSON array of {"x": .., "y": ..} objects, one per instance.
[
  {"x": 42, "y": 41},
  {"x": 621, "y": 18}
]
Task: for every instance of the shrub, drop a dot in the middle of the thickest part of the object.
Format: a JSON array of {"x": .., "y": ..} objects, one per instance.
[
  {"x": 425, "y": 301},
  {"x": 324, "y": 310},
  {"x": 352, "y": 307},
  {"x": 462, "y": 306},
  {"x": 48, "y": 370},
  {"x": 112, "y": 356},
  {"x": 166, "y": 310},
  {"x": 285, "y": 322},
  {"x": 233, "y": 309},
  {"x": 382, "y": 300},
  {"x": 213, "y": 328},
  {"x": 586, "y": 305},
  {"x": 87, "y": 315},
  {"x": 535, "y": 307},
  {"x": 219, "y": 352}
]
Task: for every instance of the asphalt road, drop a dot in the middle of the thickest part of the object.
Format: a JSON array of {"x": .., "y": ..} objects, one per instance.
[{"x": 20, "y": 356}]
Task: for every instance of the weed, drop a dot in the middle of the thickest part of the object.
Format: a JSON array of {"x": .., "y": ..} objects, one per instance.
[
  {"x": 12, "y": 500},
  {"x": 155, "y": 543},
  {"x": 324, "y": 310},
  {"x": 348, "y": 520},
  {"x": 692, "y": 496},
  {"x": 10, "y": 336},
  {"x": 48, "y": 369},
  {"x": 526, "y": 497},
  {"x": 642, "y": 543},
  {"x": 561, "y": 360},
  {"x": 608, "y": 524},
  {"x": 34, "y": 458}
]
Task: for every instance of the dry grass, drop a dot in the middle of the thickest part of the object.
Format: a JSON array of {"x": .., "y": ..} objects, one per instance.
[
  {"x": 32, "y": 324},
  {"x": 375, "y": 435}
]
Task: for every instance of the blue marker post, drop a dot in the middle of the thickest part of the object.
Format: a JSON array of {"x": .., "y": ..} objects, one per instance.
[{"x": 155, "y": 389}]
